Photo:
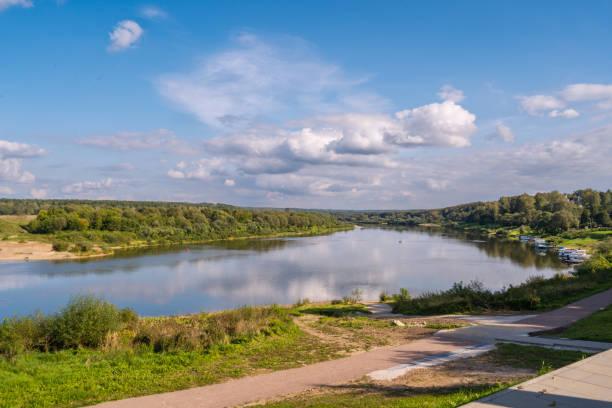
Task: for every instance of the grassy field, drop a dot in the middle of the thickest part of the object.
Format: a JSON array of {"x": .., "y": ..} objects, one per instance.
[
  {"x": 596, "y": 327},
  {"x": 447, "y": 386}
]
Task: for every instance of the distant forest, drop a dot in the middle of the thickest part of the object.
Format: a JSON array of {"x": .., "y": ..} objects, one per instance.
[
  {"x": 121, "y": 222},
  {"x": 547, "y": 212}
]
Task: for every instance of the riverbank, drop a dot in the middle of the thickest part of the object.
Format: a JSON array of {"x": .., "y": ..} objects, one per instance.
[
  {"x": 32, "y": 247},
  {"x": 71, "y": 367}
]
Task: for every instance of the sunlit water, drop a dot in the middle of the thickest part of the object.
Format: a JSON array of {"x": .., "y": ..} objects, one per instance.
[{"x": 164, "y": 281}]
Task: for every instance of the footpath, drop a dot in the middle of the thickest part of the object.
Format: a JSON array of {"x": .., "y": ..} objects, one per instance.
[{"x": 388, "y": 362}]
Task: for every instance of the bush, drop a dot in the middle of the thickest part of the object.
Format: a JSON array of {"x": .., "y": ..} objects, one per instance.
[
  {"x": 82, "y": 246},
  {"x": 60, "y": 246},
  {"x": 384, "y": 296},
  {"x": 85, "y": 321},
  {"x": 403, "y": 296}
]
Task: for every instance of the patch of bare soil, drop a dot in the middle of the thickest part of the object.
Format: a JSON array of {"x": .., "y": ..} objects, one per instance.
[
  {"x": 356, "y": 335},
  {"x": 32, "y": 251}
]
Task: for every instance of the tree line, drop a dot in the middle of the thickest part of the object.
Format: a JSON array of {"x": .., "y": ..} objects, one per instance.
[
  {"x": 547, "y": 212},
  {"x": 171, "y": 222}
]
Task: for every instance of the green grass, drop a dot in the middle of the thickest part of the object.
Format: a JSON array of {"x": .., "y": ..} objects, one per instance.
[
  {"x": 72, "y": 378},
  {"x": 596, "y": 327},
  {"x": 338, "y": 310},
  {"x": 534, "y": 358},
  {"x": 391, "y": 398}
]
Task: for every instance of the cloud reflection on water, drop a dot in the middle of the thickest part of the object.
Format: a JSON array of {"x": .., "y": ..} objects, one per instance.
[{"x": 166, "y": 281}]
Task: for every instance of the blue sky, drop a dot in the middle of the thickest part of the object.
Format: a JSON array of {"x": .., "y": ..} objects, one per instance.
[{"x": 331, "y": 104}]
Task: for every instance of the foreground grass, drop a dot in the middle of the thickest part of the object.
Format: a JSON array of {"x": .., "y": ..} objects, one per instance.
[
  {"x": 596, "y": 327},
  {"x": 443, "y": 390},
  {"x": 71, "y": 378}
]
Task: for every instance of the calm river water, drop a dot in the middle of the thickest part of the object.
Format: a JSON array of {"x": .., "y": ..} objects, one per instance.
[{"x": 162, "y": 281}]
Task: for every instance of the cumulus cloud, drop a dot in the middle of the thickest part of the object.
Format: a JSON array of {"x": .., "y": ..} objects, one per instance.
[
  {"x": 567, "y": 113},
  {"x": 124, "y": 35},
  {"x": 6, "y": 190},
  {"x": 126, "y": 141},
  {"x": 19, "y": 150},
  {"x": 351, "y": 140},
  {"x": 256, "y": 78},
  {"x": 587, "y": 92},
  {"x": 87, "y": 186},
  {"x": 553, "y": 105},
  {"x": 503, "y": 133},
  {"x": 38, "y": 192},
  {"x": 436, "y": 124},
  {"x": 4, "y": 4},
  {"x": 450, "y": 93},
  {"x": 536, "y": 105},
  {"x": 176, "y": 174},
  {"x": 11, "y": 159},
  {"x": 153, "y": 13},
  {"x": 202, "y": 169}
]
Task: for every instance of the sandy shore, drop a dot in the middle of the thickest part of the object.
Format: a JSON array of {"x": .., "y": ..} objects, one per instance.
[{"x": 31, "y": 251}]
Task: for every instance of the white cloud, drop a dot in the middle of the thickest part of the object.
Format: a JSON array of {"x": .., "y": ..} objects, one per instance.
[
  {"x": 10, "y": 170},
  {"x": 88, "y": 186},
  {"x": 4, "y": 4},
  {"x": 126, "y": 141},
  {"x": 503, "y": 133},
  {"x": 256, "y": 78},
  {"x": 38, "y": 192},
  {"x": 436, "y": 124},
  {"x": 535, "y": 105},
  {"x": 552, "y": 105},
  {"x": 19, "y": 150},
  {"x": 567, "y": 114},
  {"x": 437, "y": 185},
  {"x": 153, "y": 13},
  {"x": 124, "y": 35},
  {"x": 345, "y": 140},
  {"x": 229, "y": 182},
  {"x": 5, "y": 190},
  {"x": 450, "y": 93},
  {"x": 176, "y": 174},
  {"x": 587, "y": 92}
]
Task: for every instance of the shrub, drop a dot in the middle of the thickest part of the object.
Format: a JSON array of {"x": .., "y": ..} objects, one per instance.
[
  {"x": 384, "y": 296},
  {"x": 85, "y": 321},
  {"x": 403, "y": 296},
  {"x": 302, "y": 302},
  {"x": 82, "y": 246},
  {"x": 60, "y": 246}
]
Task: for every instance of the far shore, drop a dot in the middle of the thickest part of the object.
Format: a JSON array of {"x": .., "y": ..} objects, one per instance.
[{"x": 12, "y": 251}]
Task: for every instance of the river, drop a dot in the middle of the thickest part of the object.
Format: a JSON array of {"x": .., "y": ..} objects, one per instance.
[{"x": 180, "y": 279}]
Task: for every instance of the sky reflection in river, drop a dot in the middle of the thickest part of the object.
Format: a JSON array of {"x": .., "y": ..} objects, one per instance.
[{"x": 213, "y": 277}]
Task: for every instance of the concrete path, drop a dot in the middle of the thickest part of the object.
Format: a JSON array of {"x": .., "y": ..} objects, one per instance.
[
  {"x": 585, "y": 384},
  {"x": 295, "y": 380}
]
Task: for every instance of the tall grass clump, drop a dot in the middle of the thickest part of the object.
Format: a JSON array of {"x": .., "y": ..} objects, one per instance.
[
  {"x": 93, "y": 323},
  {"x": 536, "y": 293}
]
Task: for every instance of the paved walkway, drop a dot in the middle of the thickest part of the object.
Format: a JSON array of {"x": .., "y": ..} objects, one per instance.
[
  {"x": 585, "y": 384},
  {"x": 489, "y": 330},
  {"x": 295, "y": 380}
]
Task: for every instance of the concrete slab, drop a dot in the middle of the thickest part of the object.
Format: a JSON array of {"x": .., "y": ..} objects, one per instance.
[{"x": 585, "y": 384}]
